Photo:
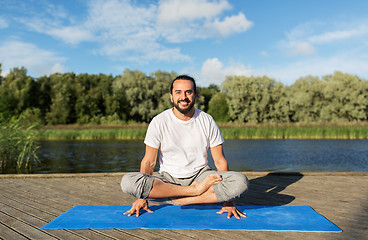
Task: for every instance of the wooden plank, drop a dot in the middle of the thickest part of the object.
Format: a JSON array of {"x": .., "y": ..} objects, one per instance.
[
  {"x": 37, "y": 219},
  {"x": 340, "y": 198},
  {"x": 78, "y": 191},
  {"x": 35, "y": 207},
  {"x": 7, "y": 232},
  {"x": 21, "y": 226},
  {"x": 34, "y": 220},
  {"x": 34, "y": 191},
  {"x": 156, "y": 234}
]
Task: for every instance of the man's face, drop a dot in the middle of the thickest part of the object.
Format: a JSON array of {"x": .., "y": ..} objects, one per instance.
[{"x": 183, "y": 96}]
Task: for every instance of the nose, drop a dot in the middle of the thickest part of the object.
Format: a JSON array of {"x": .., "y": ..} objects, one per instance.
[{"x": 183, "y": 95}]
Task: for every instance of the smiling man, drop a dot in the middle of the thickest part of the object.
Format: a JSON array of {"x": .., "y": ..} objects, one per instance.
[{"x": 181, "y": 136}]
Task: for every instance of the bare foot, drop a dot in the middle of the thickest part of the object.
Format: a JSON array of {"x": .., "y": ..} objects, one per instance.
[{"x": 201, "y": 187}]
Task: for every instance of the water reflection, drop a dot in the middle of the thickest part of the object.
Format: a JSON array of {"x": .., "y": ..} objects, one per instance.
[
  {"x": 243, "y": 155},
  {"x": 90, "y": 156}
]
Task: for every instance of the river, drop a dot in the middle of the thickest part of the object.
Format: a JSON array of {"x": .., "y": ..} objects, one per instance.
[{"x": 242, "y": 155}]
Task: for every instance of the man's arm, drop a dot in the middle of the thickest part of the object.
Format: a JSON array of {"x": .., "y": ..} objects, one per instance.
[
  {"x": 221, "y": 165},
  {"x": 147, "y": 165},
  {"x": 219, "y": 158},
  {"x": 149, "y": 160}
]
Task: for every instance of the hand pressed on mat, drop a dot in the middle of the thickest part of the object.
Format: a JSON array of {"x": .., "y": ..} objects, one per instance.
[
  {"x": 231, "y": 209},
  {"x": 137, "y": 206}
]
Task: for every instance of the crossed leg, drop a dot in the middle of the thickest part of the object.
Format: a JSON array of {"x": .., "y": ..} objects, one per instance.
[
  {"x": 163, "y": 189},
  {"x": 211, "y": 187}
]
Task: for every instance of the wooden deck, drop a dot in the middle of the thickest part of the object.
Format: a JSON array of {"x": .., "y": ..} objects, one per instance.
[{"x": 28, "y": 202}]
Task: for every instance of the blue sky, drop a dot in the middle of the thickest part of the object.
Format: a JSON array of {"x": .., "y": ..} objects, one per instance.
[{"x": 284, "y": 39}]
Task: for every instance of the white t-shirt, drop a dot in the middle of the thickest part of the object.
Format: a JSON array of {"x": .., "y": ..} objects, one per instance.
[{"x": 183, "y": 145}]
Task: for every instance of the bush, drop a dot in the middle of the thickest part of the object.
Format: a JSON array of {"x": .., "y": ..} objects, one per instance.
[
  {"x": 17, "y": 149},
  {"x": 218, "y": 108},
  {"x": 31, "y": 117}
]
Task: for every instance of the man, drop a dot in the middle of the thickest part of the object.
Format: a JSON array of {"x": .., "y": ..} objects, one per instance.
[{"x": 182, "y": 136}]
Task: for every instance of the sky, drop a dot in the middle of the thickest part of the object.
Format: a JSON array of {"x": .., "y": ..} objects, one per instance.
[{"x": 206, "y": 39}]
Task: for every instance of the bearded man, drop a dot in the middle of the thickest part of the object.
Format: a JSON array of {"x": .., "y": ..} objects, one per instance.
[{"x": 181, "y": 136}]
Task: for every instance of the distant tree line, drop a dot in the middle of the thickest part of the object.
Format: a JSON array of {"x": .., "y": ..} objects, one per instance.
[{"x": 70, "y": 98}]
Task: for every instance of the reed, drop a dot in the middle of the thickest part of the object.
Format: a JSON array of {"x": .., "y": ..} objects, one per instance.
[
  {"x": 17, "y": 148},
  {"x": 91, "y": 134},
  {"x": 296, "y": 132},
  {"x": 229, "y": 131}
]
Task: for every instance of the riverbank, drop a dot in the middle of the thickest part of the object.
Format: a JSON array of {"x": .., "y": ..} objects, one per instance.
[{"x": 229, "y": 131}]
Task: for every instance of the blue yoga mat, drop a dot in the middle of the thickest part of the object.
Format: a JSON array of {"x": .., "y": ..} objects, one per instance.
[{"x": 259, "y": 218}]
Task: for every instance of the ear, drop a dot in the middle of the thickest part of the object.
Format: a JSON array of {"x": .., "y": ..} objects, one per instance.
[{"x": 171, "y": 98}]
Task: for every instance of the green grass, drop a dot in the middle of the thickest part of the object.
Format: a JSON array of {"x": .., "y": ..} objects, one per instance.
[
  {"x": 229, "y": 131},
  {"x": 311, "y": 131},
  {"x": 91, "y": 134}
]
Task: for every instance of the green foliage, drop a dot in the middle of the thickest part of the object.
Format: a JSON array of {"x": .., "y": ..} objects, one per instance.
[
  {"x": 146, "y": 95},
  {"x": 135, "y": 96},
  {"x": 218, "y": 108},
  {"x": 7, "y": 104},
  {"x": 23, "y": 88},
  {"x": 249, "y": 98},
  {"x": 17, "y": 148},
  {"x": 31, "y": 117},
  {"x": 207, "y": 93},
  {"x": 347, "y": 96},
  {"x": 334, "y": 98}
]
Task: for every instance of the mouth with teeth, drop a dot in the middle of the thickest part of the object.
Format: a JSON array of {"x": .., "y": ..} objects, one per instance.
[
  {"x": 184, "y": 106},
  {"x": 184, "y": 102}
]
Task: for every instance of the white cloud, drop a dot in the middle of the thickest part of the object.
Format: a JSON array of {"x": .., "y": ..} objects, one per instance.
[
  {"x": 184, "y": 21},
  {"x": 264, "y": 53},
  {"x": 351, "y": 63},
  {"x": 305, "y": 38},
  {"x": 328, "y": 37},
  {"x": 321, "y": 48},
  {"x": 72, "y": 35},
  {"x": 214, "y": 71},
  {"x": 170, "y": 12},
  {"x": 39, "y": 61},
  {"x": 130, "y": 31},
  {"x": 230, "y": 25},
  {"x": 122, "y": 28},
  {"x": 134, "y": 32},
  {"x": 301, "y": 48},
  {"x": 3, "y": 23}
]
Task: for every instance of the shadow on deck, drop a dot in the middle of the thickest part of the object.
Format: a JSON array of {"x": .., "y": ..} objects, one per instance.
[{"x": 266, "y": 190}]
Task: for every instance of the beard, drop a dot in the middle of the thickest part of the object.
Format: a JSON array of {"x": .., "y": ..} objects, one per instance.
[{"x": 184, "y": 110}]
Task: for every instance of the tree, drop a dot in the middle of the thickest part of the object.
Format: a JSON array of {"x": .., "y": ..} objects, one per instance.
[
  {"x": 161, "y": 90},
  {"x": 307, "y": 99},
  {"x": 280, "y": 111},
  {"x": 1, "y": 76},
  {"x": 146, "y": 95},
  {"x": 347, "y": 98},
  {"x": 7, "y": 104},
  {"x": 207, "y": 93},
  {"x": 23, "y": 88},
  {"x": 63, "y": 98},
  {"x": 89, "y": 98},
  {"x": 218, "y": 108},
  {"x": 249, "y": 98}
]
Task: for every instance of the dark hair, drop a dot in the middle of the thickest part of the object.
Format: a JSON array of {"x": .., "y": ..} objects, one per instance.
[{"x": 184, "y": 77}]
